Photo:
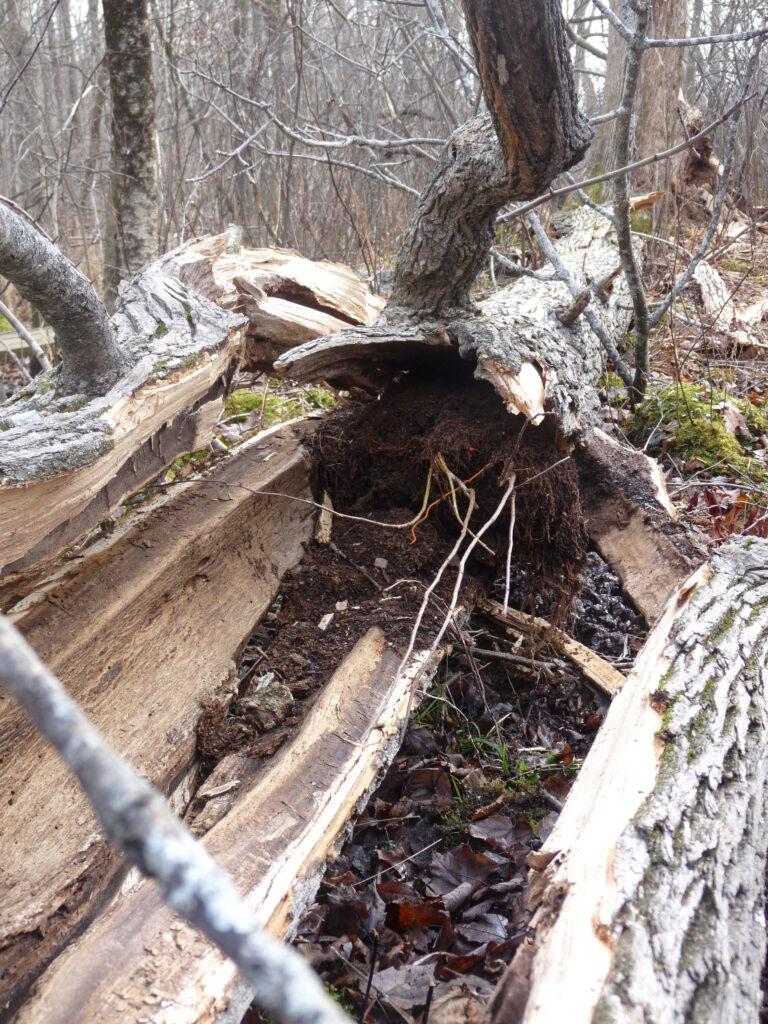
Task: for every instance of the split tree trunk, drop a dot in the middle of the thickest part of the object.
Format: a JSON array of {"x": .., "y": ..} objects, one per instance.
[
  {"x": 68, "y": 460},
  {"x": 650, "y": 889},
  {"x": 195, "y": 571}
]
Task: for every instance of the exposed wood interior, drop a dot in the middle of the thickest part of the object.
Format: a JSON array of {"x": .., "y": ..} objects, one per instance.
[
  {"x": 139, "y": 962},
  {"x": 566, "y": 956},
  {"x": 140, "y": 629},
  {"x": 632, "y": 524},
  {"x": 595, "y": 668},
  {"x": 67, "y": 463}
]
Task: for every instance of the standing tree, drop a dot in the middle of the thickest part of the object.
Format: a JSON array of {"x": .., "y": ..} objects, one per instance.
[{"x": 132, "y": 240}]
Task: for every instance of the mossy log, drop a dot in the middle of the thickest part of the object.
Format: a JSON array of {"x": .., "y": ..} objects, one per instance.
[{"x": 650, "y": 889}]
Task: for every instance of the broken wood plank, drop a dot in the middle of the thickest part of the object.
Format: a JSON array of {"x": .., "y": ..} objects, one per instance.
[
  {"x": 595, "y": 668},
  {"x": 137, "y": 961},
  {"x": 631, "y": 522},
  {"x": 67, "y": 461},
  {"x": 122, "y": 629},
  {"x": 649, "y": 890}
]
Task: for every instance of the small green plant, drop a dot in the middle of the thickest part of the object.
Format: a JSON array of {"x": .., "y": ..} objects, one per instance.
[{"x": 339, "y": 995}]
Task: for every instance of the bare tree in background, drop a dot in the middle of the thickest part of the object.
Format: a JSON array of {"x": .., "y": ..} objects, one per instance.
[{"x": 133, "y": 234}]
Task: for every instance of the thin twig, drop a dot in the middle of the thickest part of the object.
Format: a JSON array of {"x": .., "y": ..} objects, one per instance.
[{"x": 508, "y": 573}]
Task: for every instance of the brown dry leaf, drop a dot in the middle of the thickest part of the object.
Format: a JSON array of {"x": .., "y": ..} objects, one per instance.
[
  {"x": 401, "y": 916},
  {"x": 407, "y": 986},
  {"x": 453, "y": 867},
  {"x": 499, "y": 831},
  {"x": 735, "y": 422}
]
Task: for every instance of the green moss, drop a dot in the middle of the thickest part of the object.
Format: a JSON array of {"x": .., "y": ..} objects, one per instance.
[
  {"x": 279, "y": 408},
  {"x": 192, "y": 360},
  {"x": 4, "y": 325},
  {"x": 610, "y": 380},
  {"x": 640, "y": 220},
  {"x": 161, "y": 330},
  {"x": 738, "y": 267},
  {"x": 339, "y": 996},
  {"x": 190, "y": 318},
  {"x": 74, "y": 405},
  {"x": 157, "y": 369},
  {"x": 692, "y": 418}
]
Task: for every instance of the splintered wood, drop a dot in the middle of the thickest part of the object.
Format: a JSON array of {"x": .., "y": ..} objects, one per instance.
[
  {"x": 139, "y": 962},
  {"x": 186, "y": 324},
  {"x": 139, "y": 630},
  {"x": 286, "y": 298},
  {"x": 595, "y": 668}
]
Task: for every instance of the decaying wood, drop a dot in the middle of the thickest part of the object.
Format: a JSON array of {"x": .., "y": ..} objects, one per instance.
[
  {"x": 140, "y": 629},
  {"x": 514, "y": 339},
  {"x": 287, "y": 298},
  {"x": 66, "y": 462},
  {"x": 632, "y": 523},
  {"x": 650, "y": 888},
  {"x": 595, "y": 668},
  {"x": 137, "y": 962},
  {"x": 148, "y": 834}
]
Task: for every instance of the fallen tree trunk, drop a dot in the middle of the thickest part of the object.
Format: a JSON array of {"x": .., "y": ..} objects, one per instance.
[
  {"x": 541, "y": 368},
  {"x": 68, "y": 460},
  {"x": 138, "y": 962},
  {"x": 140, "y": 629},
  {"x": 650, "y": 889}
]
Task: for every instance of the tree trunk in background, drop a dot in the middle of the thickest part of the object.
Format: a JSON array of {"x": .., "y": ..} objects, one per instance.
[
  {"x": 661, "y": 78},
  {"x": 601, "y": 152},
  {"x": 134, "y": 191}
]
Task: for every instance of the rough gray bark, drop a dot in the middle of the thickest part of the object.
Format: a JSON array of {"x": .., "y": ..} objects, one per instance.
[
  {"x": 92, "y": 358},
  {"x": 649, "y": 892},
  {"x": 535, "y": 132},
  {"x": 159, "y": 326},
  {"x": 516, "y": 328},
  {"x": 690, "y": 920},
  {"x": 134, "y": 190}
]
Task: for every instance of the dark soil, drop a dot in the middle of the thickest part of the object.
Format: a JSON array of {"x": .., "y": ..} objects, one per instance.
[{"x": 373, "y": 457}]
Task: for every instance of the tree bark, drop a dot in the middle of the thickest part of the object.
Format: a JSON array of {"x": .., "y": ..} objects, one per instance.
[
  {"x": 541, "y": 367},
  {"x": 661, "y": 78},
  {"x": 535, "y": 132},
  {"x": 134, "y": 188},
  {"x": 92, "y": 358},
  {"x": 650, "y": 889}
]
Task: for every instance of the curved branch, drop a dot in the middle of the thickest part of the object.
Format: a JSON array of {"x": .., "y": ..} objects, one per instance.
[
  {"x": 67, "y": 300},
  {"x": 535, "y": 132}
]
